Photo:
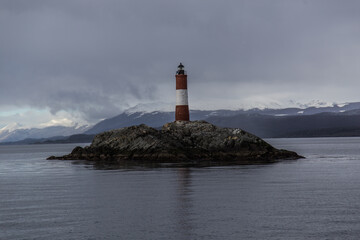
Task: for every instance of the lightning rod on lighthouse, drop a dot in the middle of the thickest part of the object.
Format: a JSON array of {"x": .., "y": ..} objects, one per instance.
[{"x": 182, "y": 105}]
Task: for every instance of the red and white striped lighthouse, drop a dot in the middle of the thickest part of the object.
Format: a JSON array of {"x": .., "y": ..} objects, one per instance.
[{"x": 182, "y": 105}]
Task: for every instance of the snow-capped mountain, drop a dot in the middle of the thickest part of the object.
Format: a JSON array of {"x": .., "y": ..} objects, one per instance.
[
  {"x": 151, "y": 107},
  {"x": 158, "y": 118},
  {"x": 313, "y": 103},
  {"x": 11, "y": 127},
  {"x": 16, "y": 132},
  {"x": 235, "y": 118}
]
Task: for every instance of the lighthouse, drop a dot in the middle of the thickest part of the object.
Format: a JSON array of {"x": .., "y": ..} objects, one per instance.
[{"x": 182, "y": 105}]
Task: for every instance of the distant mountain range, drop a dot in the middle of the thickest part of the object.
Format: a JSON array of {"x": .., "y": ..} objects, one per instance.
[
  {"x": 336, "y": 120},
  {"x": 317, "y": 125},
  {"x": 263, "y": 122},
  {"x": 11, "y": 133}
]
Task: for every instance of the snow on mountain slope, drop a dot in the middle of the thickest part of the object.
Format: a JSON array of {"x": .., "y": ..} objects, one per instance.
[
  {"x": 11, "y": 127},
  {"x": 151, "y": 107},
  {"x": 15, "y": 132}
]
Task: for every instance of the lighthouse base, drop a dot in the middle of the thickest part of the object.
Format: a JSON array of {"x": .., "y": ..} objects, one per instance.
[{"x": 182, "y": 113}]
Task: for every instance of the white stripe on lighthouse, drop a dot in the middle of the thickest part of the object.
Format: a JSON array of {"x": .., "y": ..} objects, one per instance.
[{"x": 181, "y": 97}]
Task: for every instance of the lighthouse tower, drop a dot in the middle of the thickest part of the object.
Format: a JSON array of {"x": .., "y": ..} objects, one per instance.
[{"x": 182, "y": 105}]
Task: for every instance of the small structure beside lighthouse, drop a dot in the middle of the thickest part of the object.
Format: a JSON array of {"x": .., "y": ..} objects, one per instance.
[{"x": 182, "y": 105}]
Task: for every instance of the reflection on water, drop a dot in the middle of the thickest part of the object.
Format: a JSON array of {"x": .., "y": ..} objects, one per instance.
[
  {"x": 184, "y": 202},
  {"x": 312, "y": 198},
  {"x": 138, "y": 165}
]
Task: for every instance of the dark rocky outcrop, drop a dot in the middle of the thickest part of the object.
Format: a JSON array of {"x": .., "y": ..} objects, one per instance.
[{"x": 195, "y": 141}]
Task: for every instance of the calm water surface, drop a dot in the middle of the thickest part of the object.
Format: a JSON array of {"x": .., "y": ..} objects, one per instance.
[{"x": 313, "y": 198}]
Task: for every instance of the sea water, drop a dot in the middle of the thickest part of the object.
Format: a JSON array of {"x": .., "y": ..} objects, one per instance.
[{"x": 313, "y": 198}]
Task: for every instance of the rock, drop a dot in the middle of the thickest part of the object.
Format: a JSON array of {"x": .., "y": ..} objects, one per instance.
[{"x": 180, "y": 141}]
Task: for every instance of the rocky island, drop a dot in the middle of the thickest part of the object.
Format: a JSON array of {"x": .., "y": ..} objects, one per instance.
[{"x": 179, "y": 142}]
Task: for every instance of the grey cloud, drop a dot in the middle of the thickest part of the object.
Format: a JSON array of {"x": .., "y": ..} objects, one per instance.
[{"x": 100, "y": 57}]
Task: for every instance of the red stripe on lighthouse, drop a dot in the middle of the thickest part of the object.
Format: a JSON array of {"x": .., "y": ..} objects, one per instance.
[
  {"x": 181, "y": 82},
  {"x": 182, "y": 113}
]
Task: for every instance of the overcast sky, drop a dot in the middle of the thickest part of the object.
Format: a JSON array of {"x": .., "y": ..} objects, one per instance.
[{"x": 72, "y": 60}]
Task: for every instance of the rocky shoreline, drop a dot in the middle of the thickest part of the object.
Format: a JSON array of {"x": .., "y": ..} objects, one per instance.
[{"x": 179, "y": 142}]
